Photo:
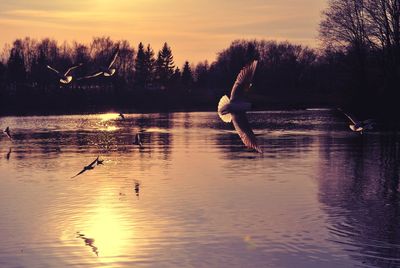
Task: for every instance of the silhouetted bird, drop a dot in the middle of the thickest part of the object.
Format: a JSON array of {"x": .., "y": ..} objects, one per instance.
[
  {"x": 105, "y": 70},
  {"x": 99, "y": 162},
  {"x": 137, "y": 189},
  {"x": 234, "y": 108},
  {"x": 7, "y": 132},
  {"x": 138, "y": 141},
  {"x": 359, "y": 126},
  {"x": 8, "y": 154},
  {"x": 88, "y": 167},
  {"x": 122, "y": 116},
  {"x": 64, "y": 77}
]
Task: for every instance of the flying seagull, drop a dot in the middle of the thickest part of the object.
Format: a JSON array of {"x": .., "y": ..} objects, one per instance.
[
  {"x": 7, "y": 132},
  {"x": 64, "y": 77},
  {"x": 234, "y": 109},
  {"x": 89, "y": 167},
  {"x": 138, "y": 141},
  {"x": 358, "y": 126},
  {"x": 105, "y": 70}
]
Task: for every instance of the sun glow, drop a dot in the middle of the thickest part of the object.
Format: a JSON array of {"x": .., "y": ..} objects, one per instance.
[{"x": 107, "y": 230}]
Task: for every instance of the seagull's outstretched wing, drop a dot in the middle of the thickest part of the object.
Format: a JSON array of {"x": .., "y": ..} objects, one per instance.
[
  {"x": 243, "y": 80},
  {"x": 83, "y": 170},
  {"x": 73, "y": 67},
  {"x": 113, "y": 59},
  {"x": 51, "y": 68},
  {"x": 245, "y": 132},
  {"x": 94, "y": 162},
  {"x": 351, "y": 117},
  {"x": 369, "y": 121},
  {"x": 90, "y": 76}
]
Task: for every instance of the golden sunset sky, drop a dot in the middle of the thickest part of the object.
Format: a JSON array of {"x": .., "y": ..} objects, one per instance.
[{"x": 196, "y": 30}]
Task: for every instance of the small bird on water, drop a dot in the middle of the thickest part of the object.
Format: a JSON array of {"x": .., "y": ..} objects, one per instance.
[
  {"x": 90, "y": 166},
  {"x": 137, "y": 189},
  {"x": 7, "y": 132},
  {"x": 8, "y": 154},
  {"x": 138, "y": 141},
  {"x": 64, "y": 77},
  {"x": 234, "y": 109}
]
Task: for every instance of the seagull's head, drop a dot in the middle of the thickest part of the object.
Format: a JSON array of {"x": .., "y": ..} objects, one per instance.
[
  {"x": 356, "y": 128},
  {"x": 66, "y": 80},
  {"x": 109, "y": 72}
]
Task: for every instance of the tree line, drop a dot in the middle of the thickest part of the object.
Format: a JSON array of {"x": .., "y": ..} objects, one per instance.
[
  {"x": 366, "y": 35},
  {"x": 356, "y": 67},
  {"x": 145, "y": 79}
]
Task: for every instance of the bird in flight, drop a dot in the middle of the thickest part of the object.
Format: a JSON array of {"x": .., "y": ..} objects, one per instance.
[
  {"x": 234, "y": 109},
  {"x": 89, "y": 167},
  {"x": 105, "y": 70},
  {"x": 357, "y": 125},
  {"x": 7, "y": 132},
  {"x": 122, "y": 116},
  {"x": 65, "y": 78}
]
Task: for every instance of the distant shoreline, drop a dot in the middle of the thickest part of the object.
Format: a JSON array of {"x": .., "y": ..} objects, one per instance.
[{"x": 101, "y": 110}]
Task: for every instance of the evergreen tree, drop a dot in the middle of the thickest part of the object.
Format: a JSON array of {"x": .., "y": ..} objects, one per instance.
[
  {"x": 164, "y": 65},
  {"x": 187, "y": 75},
  {"x": 175, "y": 80},
  {"x": 149, "y": 64},
  {"x": 140, "y": 66}
]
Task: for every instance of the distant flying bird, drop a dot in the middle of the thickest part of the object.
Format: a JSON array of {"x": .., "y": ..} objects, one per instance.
[
  {"x": 64, "y": 77},
  {"x": 234, "y": 108},
  {"x": 88, "y": 167},
  {"x": 7, "y": 132},
  {"x": 122, "y": 116},
  {"x": 138, "y": 141},
  {"x": 358, "y": 126},
  {"x": 105, "y": 70}
]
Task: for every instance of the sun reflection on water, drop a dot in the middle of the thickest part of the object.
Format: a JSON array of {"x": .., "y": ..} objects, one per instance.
[
  {"x": 107, "y": 122},
  {"x": 108, "y": 128},
  {"x": 107, "y": 229},
  {"x": 108, "y": 116}
]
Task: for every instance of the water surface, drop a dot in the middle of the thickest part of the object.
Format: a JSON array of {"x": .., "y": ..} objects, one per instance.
[{"x": 193, "y": 196}]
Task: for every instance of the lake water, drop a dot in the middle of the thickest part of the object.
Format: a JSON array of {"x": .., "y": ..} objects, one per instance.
[{"x": 193, "y": 196}]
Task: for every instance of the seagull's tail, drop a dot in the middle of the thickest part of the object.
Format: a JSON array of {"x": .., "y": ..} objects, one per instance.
[{"x": 223, "y": 102}]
